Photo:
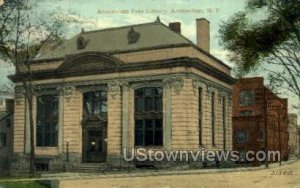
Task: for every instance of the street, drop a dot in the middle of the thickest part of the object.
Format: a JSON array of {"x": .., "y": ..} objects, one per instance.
[{"x": 287, "y": 176}]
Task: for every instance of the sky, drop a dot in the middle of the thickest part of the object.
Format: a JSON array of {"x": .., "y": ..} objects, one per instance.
[{"x": 99, "y": 14}]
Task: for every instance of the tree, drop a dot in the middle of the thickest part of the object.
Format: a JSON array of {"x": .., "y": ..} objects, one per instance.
[
  {"x": 285, "y": 72},
  {"x": 21, "y": 33},
  {"x": 274, "y": 38}
]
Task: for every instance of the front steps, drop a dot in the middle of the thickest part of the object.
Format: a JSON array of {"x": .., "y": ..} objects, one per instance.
[{"x": 87, "y": 167}]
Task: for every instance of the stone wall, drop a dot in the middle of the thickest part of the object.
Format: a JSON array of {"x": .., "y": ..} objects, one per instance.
[{"x": 181, "y": 122}]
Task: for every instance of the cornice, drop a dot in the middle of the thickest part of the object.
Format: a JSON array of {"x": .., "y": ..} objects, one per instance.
[{"x": 129, "y": 67}]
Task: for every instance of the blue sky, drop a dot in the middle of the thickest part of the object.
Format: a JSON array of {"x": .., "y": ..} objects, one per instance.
[{"x": 99, "y": 14}]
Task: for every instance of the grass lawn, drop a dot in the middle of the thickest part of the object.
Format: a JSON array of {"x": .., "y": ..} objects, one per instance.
[
  {"x": 18, "y": 177},
  {"x": 24, "y": 184}
]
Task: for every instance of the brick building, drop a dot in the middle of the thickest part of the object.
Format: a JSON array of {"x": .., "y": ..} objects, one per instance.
[
  {"x": 142, "y": 85},
  {"x": 294, "y": 139},
  {"x": 250, "y": 98}
]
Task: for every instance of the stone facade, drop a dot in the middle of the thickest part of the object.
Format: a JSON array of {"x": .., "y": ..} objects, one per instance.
[{"x": 180, "y": 72}]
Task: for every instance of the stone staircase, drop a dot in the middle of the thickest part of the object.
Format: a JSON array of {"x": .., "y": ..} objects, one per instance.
[{"x": 88, "y": 168}]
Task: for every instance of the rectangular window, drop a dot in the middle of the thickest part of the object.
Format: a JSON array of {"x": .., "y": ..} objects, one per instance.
[
  {"x": 148, "y": 117},
  {"x": 241, "y": 136},
  {"x": 224, "y": 121},
  {"x": 246, "y": 98},
  {"x": 47, "y": 120},
  {"x": 2, "y": 140},
  {"x": 213, "y": 117},
  {"x": 200, "y": 116}
]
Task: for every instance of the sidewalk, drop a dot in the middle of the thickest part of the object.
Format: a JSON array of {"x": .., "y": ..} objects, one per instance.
[{"x": 146, "y": 173}]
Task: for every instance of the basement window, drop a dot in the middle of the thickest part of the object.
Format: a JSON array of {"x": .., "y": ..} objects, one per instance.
[{"x": 41, "y": 166}]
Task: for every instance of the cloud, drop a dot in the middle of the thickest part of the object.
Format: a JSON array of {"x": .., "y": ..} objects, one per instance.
[
  {"x": 5, "y": 70},
  {"x": 76, "y": 21},
  {"x": 222, "y": 55}
]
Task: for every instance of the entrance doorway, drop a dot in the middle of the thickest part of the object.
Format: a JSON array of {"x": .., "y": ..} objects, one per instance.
[
  {"x": 94, "y": 127},
  {"x": 94, "y": 144}
]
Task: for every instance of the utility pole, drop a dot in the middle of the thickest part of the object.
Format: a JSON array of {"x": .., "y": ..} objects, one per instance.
[
  {"x": 266, "y": 127},
  {"x": 279, "y": 134}
]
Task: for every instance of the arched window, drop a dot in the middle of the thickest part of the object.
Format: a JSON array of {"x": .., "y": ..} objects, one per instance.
[{"x": 148, "y": 117}]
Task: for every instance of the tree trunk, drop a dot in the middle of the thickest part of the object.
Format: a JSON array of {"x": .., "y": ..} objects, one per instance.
[{"x": 32, "y": 145}]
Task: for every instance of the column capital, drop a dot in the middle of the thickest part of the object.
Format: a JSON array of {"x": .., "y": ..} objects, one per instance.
[
  {"x": 167, "y": 82},
  {"x": 19, "y": 94},
  {"x": 125, "y": 85},
  {"x": 210, "y": 89},
  {"x": 197, "y": 84},
  {"x": 66, "y": 91},
  {"x": 114, "y": 88},
  {"x": 176, "y": 83}
]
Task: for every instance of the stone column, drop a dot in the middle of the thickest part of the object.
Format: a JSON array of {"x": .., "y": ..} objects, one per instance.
[
  {"x": 224, "y": 112},
  {"x": 209, "y": 138},
  {"x": 19, "y": 121},
  {"x": 27, "y": 130},
  {"x": 71, "y": 133},
  {"x": 229, "y": 124},
  {"x": 114, "y": 142},
  {"x": 167, "y": 110},
  {"x": 125, "y": 115},
  {"x": 61, "y": 120},
  {"x": 179, "y": 114}
]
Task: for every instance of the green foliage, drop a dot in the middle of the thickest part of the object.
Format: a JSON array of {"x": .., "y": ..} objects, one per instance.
[
  {"x": 24, "y": 31},
  {"x": 250, "y": 42},
  {"x": 23, "y": 27}
]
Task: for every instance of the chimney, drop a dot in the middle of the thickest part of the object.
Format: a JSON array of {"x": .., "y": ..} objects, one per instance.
[
  {"x": 175, "y": 26},
  {"x": 203, "y": 38}
]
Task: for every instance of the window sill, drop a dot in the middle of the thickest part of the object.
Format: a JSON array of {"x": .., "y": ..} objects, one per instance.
[
  {"x": 46, "y": 151},
  {"x": 150, "y": 147}
]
